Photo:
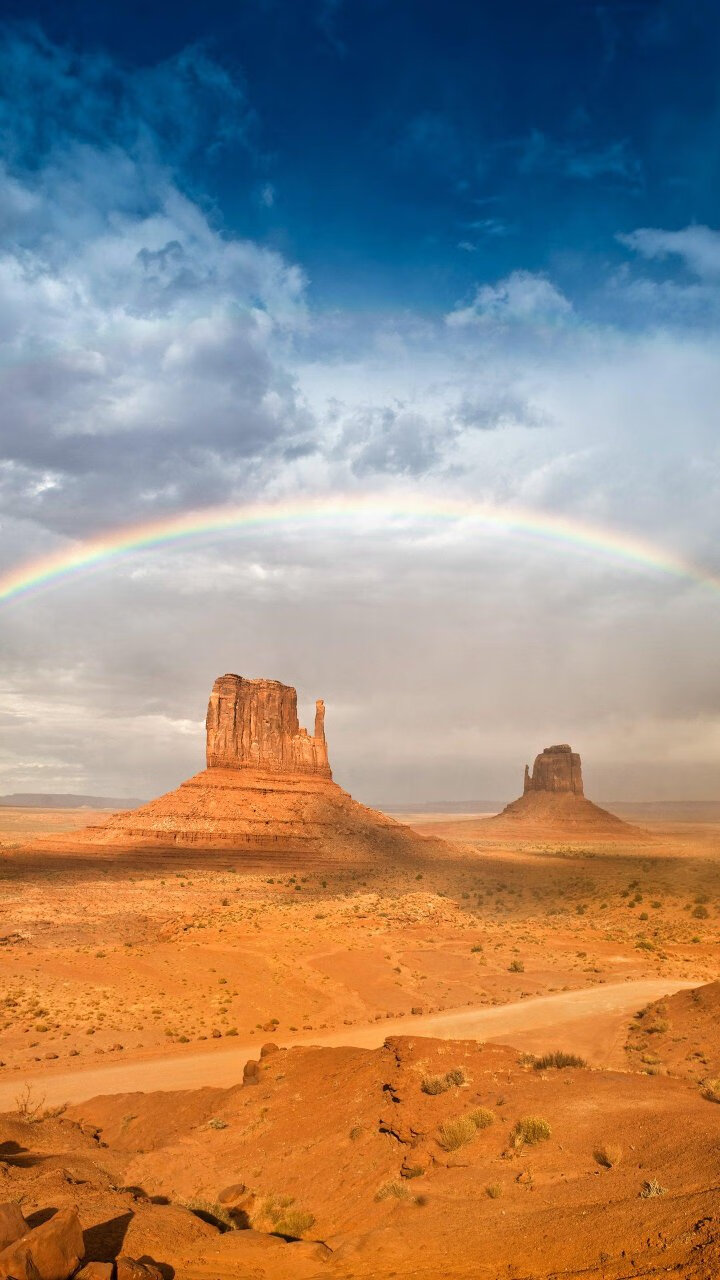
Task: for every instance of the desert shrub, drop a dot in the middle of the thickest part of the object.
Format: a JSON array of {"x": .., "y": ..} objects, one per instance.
[
  {"x": 516, "y": 966},
  {"x": 494, "y": 1191},
  {"x": 392, "y": 1189},
  {"x": 209, "y": 1211},
  {"x": 608, "y": 1155},
  {"x": 712, "y": 1090},
  {"x": 355, "y": 1132},
  {"x": 530, "y": 1130},
  {"x": 650, "y": 1188},
  {"x": 440, "y": 1084},
  {"x": 700, "y": 913},
  {"x": 28, "y": 1107},
  {"x": 559, "y": 1060},
  {"x": 217, "y": 1123},
  {"x": 456, "y": 1133},
  {"x": 294, "y": 1223},
  {"x": 482, "y": 1117},
  {"x": 286, "y": 1220}
]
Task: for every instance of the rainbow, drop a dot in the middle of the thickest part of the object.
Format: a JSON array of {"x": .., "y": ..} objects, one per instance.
[{"x": 337, "y": 510}]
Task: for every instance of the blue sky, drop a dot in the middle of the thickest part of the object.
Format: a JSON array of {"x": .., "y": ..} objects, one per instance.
[
  {"x": 401, "y": 149},
  {"x": 265, "y": 249}
]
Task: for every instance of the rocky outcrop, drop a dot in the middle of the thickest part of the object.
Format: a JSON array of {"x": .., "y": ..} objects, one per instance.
[
  {"x": 253, "y": 724},
  {"x": 52, "y": 1251},
  {"x": 553, "y": 804},
  {"x": 556, "y": 769},
  {"x": 267, "y": 790}
]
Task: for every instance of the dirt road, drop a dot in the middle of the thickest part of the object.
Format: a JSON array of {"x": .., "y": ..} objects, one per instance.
[{"x": 591, "y": 1021}]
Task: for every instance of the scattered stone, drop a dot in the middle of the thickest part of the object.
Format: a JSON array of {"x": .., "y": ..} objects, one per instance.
[
  {"x": 130, "y": 1269},
  {"x": 51, "y": 1251},
  {"x": 12, "y": 1224},
  {"x": 251, "y": 1072},
  {"x": 230, "y": 1195}
]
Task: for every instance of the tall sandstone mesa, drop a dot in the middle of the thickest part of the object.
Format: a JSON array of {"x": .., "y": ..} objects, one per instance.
[
  {"x": 556, "y": 769},
  {"x": 253, "y": 724},
  {"x": 267, "y": 790}
]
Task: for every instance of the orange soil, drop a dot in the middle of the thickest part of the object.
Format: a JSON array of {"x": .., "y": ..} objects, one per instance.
[
  {"x": 129, "y": 956},
  {"x": 347, "y": 1151}
]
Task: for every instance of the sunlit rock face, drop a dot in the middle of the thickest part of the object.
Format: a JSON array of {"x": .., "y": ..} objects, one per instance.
[
  {"x": 253, "y": 724},
  {"x": 267, "y": 791},
  {"x": 556, "y": 769}
]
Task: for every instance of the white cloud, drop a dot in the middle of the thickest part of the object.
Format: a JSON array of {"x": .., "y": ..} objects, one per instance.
[
  {"x": 697, "y": 246},
  {"x": 522, "y": 298},
  {"x": 153, "y": 361}
]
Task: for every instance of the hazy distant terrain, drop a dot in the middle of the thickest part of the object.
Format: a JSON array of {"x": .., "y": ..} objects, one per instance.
[{"x": 46, "y": 800}]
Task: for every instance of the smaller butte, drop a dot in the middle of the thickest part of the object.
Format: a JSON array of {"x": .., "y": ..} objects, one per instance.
[{"x": 554, "y": 800}]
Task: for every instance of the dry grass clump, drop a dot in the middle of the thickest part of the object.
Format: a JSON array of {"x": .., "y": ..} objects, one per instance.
[
  {"x": 651, "y": 1188},
  {"x": 608, "y": 1155},
  {"x": 559, "y": 1060},
  {"x": 286, "y": 1220},
  {"x": 711, "y": 1090},
  {"x": 210, "y": 1211},
  {"x": 456, "y": 1133},
  {"x": 393, "y": 1189},
  {"x": 530, "y": 1130},
  {"x": 440, "y": 1084},
  {"x": 493, "y": 1191},
  {"x": 482, "y": 1117}
]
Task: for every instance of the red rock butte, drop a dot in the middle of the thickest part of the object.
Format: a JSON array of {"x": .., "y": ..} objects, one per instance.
[
  {"x": 553, "y": 799},
  {"x": 267, "y": 787}
]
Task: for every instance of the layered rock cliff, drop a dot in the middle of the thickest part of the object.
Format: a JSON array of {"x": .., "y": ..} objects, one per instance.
[
  {"x": 253, "y": 724},
  {"x": 553, "y": 803},
  {"x": 267, "y": 790},
  {"x": 556, "y": 769}
]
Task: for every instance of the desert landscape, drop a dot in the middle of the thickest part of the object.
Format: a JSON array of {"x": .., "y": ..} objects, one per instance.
[
  {"x": 297, "y": 1037},
  {"x": 359, "y": 634}
]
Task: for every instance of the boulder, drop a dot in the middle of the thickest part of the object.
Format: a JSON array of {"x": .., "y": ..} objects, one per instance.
[
  {"x": 52, "y": 1251},
  {"x": 12, "y": 1224},
  {"x": 251, "y": 1072},
  {"x": 269, "y": 1048},
  {"x": 232, "y": 1195},
  {"x": 133, "y": 1269},
  {"x": 96, "y": 1271}
]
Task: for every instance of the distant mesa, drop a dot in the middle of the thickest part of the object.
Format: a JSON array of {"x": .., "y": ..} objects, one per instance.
[
  {"x": 64, "y": 800},
  {"x": 553, "y": 798},
  {"x": 267, "y": 787}
]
